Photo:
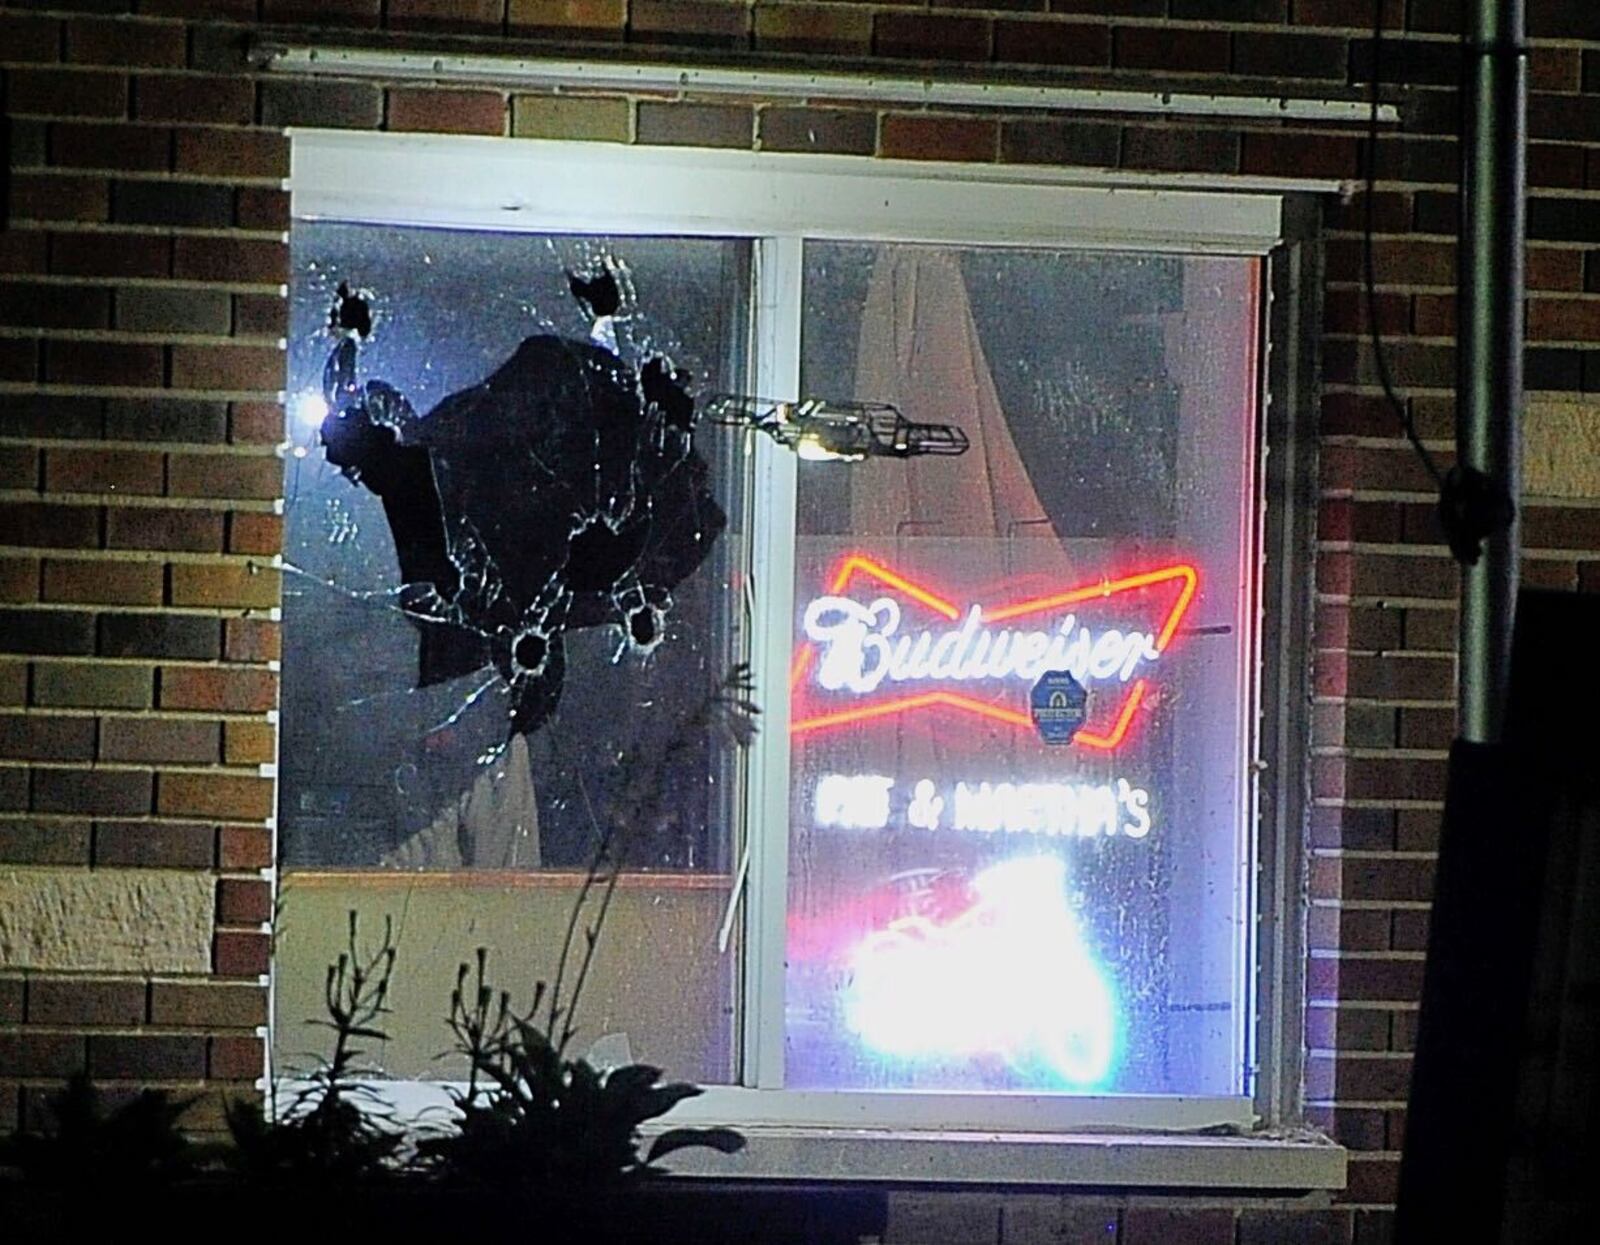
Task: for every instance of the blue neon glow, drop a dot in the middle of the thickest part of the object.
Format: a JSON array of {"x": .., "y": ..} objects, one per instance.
[{"x": 1009, "y": 977}]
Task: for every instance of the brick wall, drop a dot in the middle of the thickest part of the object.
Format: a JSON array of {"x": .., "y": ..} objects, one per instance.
[{"x": 141, "y": 312}]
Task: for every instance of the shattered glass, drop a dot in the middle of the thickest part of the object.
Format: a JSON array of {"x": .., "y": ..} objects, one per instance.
[{"x": 510, "y": 557}]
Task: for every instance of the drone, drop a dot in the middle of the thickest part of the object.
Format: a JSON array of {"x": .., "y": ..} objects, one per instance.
[{"x": 825, "y": 431}]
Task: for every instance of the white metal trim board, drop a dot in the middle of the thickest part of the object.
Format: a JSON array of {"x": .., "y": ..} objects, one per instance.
[
  {"x": 492, "y": 183},
  {"x": 795, "y": 84}
]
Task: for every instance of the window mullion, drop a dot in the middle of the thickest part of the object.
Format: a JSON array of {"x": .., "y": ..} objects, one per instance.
[{"x": 776, "y": 324}]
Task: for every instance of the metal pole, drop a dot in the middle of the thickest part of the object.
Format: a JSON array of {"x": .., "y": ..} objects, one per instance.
[{"x": 1489, "y": 340}]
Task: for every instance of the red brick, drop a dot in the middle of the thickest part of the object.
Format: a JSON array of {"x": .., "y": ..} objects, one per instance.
[
  {"x": 104, "y": 583},
  {"x": 12, "y": 990},
  {"x": 231, "y": 259},
  {"x": 19, "y": 467},
  {"x": 228, "y": 367},
  {"x": 1555, "y": 69},
  {"x": 244, "y": 901},
  {"x": 919, "y": 136},
  {"x": 231, "y": 476},
  {"x": 37, "y": 305},
  {"x": 1360, "y": 1128},
  {"x": 819, "y": 129},
  {"x": 233, "y": 153},
  {"x": 1052, "y": 43},
  {"x": 589, "y": 19},
  {"x": 1381, "y": 877},
  {"x": 1173, "y": 150},
  {"x": 468, "y": 15},
  {"x": 160, "y": 742},
  {"x": 1402, "y": 677},
  {"x": 110, "y": 255},
  {"x": 154, "y": 845},
  {"x": 697, "y": 23},
  {"x": 104, "y": 363},
  {"x": 256, "y": 208},
  {"x": 220, "y": 689},
  {"x": 334, "y": 12},
  {"x": 46, "y": 737},
  {"x": 1550, "y": 269},
  {"x": 207, "y": 1005},
  {"x": 1358, "y": 1080},
  {"x": 447, "y": 112},
  {"x": 102, "y": 792},
  {"x": 244, "y": 847},
  {"x": 145, "y": 527},
  {"x": 128, "y": 1057},
  {"x": 28, "y": 38},
  {"x": 1282, "y": 55},
  {"x": 92, "y": 146},
  {"x": 695, "y": 125},
  {"x": 1365, "y": 980},
  {"x": 1347, "y": 14},
  {"x": 19, "y": 359},
  {"x": 261, "y": 314},
  {"x": 85, "y": 1002},
  {"x": 252, "y": 639},
  {"x": 67, "y": 93},
  {"x": 1564, "y": 320},
  {"x": 41, "y": 1054},
  {"x": 52, "y": 196},
  {"x": 1286, "y": 154},
  {"x": 1151, "y": 1225},
  {"x": 1372, "y": 1180},
  {"x": 118, "y": 41},
  {"x": 235, "y": 1058},
  {"x": 23, "y": 251},
  {"x": 227, "y": 796},
  {"x": 823, "y": 28},
  {"x": 235, "y": 9},
  {"x": 19, "y": 580},
  {"x": 256, "y": 423},
  {"x": 249, "y": 743},
  {"x": 194, "y": 98},
  {"x": 1176, "y": 50},
  {"x": 240, "y": 954},
  {"x": 931, "y": 37},
  {"x": 255, "y": 531},
  {"x": 103, "y": 471}
]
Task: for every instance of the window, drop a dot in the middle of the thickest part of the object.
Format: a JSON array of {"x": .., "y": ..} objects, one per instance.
[{"x": 900, "y": 902}]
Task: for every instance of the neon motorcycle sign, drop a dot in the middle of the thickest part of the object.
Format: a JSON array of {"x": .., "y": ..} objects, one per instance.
[{"x": 863, "y": 649}]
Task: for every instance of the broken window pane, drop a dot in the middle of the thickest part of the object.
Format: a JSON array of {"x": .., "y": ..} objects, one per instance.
[
  {"x": 972, "y": 907},
  {"x": 509, "y": 596}
]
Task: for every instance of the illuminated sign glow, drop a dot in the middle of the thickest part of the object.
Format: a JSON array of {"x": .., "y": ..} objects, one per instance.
[
  {"x": 1009, "y": 977},
  {"x": 859, "y": 648},
  {"x": 1054, "y": 809}
]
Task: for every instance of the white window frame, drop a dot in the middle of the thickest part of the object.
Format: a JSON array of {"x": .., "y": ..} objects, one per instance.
[{"x": 778, "y": 201}]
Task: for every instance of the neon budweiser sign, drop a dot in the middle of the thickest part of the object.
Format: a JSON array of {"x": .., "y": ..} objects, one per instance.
[{"x": 886, "y": 650}]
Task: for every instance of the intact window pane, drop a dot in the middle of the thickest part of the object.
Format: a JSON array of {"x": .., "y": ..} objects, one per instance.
[
  {"x": 970, "y": 906},
  {"x": 506, "y": 608}
]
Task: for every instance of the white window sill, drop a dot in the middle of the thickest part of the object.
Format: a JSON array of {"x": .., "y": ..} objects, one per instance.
[
  {"x": 1102, "y": 1160},
  {"x": 1105, "y": 1158}
]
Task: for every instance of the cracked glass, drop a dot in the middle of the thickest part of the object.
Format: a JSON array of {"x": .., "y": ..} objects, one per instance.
[{"x": 511, "y": 566}]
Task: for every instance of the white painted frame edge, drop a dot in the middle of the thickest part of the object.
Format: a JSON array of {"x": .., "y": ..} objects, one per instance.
[{"x": 494, "y": 183}]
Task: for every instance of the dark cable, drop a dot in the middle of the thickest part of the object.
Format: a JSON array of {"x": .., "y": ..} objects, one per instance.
[{"x": 1380, "y": 359}]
